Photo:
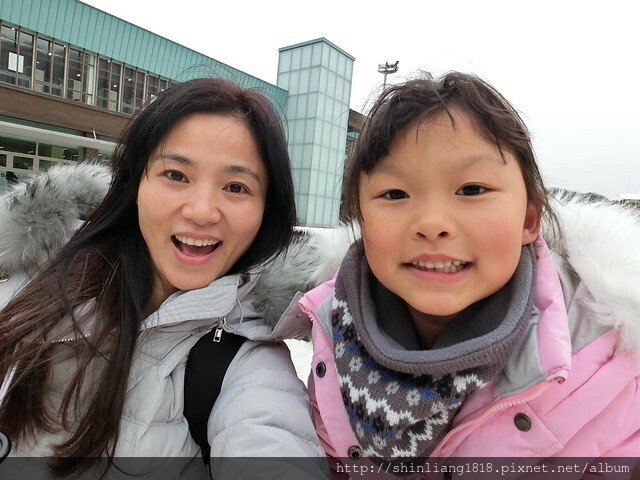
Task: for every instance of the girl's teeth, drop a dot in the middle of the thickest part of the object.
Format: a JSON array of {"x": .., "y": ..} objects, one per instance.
[{"x": 446, "y": 267}]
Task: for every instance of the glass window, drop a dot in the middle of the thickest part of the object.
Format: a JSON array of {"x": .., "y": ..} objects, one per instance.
[
  {"x": 292, "y": 103},
  {"x": 314, "y": 79},
  {"x": 342, "y": 65},
  {"x": 89, "y": 78},
  {"x": 295, "y": 59},
  {"x": 44, "y": 165},
  {"x": 302, "y": 203},
  {"x": 321, "y": 179},
  {"x": 3, "y": 160},
  {"x": 114, "y": 86},
  {"x": 25, "y": 60},
  {"x": 307, "y": 156},
  {"x": 128, "y": 90},
  {"x": 318, "y": 214},
  {"x": 17, "y": 146},
  {"x": 22, "y": 163},
  {"x": 298, "y": 132},
  {"x": 305, "y": 60},
  {"x": 59, "y": 152},
  {"x": 140, "y": 76},
  {"x": 304, "y": 80},
  {"x": 284, "y": 63},
  {"x": 164, "y": 84},
  {"x": 309, "y": 130},
  {"x": 104, "y": 72},
  {"x": 152, "y": 88},
  {"x": 283, "y": 80},
  {"x": 349, "y": 69},
  {"x": 74, "y": 75},
  {"x": 57, "y": 70},
  {"x": 43, "y": 66},
  {"x": 316, "y": 56},
  {"x": 301, "y": 111},
  {"x": 8, "y": 55},
  {"x": 312, "y": 105},
  {"x": 333, "y": 60},
  {"x": 293, "y": 82},
  {"x": 323, "y": 80}
]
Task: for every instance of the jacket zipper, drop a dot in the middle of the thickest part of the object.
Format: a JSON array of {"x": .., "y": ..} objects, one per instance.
[{"x": 528, "y": 396}]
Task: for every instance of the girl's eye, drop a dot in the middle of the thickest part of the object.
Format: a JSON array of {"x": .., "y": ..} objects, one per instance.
[
  {"x": 236, "y": 188},
  {"x": 175, "y": 176},
  {"x": 470, "y": 190},
  {"x": 395, "y": 195}
]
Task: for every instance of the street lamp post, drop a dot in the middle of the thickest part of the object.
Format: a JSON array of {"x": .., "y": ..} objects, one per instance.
[{"x": 387, "y": 68}]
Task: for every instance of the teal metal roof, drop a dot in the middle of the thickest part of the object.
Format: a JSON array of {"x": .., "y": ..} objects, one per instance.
[
  {"x": 82, "y": 25},
  {"x": 317, "y": 40}
]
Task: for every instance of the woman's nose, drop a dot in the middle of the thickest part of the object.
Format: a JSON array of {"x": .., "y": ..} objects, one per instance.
[{"x": 202, "y": 207}]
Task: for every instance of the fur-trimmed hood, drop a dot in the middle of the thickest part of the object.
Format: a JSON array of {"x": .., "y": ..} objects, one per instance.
[
  {"x": 39, "y": 216},
  {"x": 599, "y": 242}
]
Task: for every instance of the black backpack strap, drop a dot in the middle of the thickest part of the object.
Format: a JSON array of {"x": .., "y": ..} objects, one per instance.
[{"x": 206, "y": 366}]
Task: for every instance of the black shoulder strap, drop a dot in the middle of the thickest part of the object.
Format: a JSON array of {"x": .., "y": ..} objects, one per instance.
[{"x": 206, "y": 366}]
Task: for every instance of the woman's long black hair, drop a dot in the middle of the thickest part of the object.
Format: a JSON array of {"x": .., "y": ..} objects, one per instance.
[{"x": 101, "y": 281}]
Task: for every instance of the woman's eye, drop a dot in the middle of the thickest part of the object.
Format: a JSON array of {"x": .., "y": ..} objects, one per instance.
[
  {"x": 175, "y": 176},
  {"x": 236, "y": 188},
  {"x": 470, "y": 190},
  {"x": 395, "y": 195}
]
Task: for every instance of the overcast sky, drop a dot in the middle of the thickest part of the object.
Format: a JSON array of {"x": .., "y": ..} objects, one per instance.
[{"x": 570, "y": 67}]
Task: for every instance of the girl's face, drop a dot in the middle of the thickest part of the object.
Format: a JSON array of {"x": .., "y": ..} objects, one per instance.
[
  {"x": 444, "y": 217},
  {"x": 201, "y": 202}
]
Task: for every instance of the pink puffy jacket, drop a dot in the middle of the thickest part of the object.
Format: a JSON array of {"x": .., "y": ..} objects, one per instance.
[{"x": 571, "y": 388}]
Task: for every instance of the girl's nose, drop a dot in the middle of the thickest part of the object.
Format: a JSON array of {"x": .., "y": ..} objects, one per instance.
[{"x": 433, "y": 223}]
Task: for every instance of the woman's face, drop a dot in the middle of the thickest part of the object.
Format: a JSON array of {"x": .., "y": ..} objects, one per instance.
[{"x": 201, "y": 201}]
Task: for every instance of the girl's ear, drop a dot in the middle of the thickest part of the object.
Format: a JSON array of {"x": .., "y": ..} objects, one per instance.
[{"x": 532, "y": 221}]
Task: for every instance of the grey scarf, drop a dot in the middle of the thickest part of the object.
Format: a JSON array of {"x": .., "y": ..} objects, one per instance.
[{"x": 401, "y": 402}]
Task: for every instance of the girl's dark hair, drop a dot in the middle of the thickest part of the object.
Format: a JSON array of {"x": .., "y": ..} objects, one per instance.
[
  {"x": 102, "y": 280},
  {"x": 424, "y": 98}
]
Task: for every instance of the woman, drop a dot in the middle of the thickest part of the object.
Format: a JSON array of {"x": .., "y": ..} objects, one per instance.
[{"x": 95, "y": 344}]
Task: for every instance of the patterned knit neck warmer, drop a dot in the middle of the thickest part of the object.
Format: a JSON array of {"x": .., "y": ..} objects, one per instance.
[{"x": 401, "y": 402}]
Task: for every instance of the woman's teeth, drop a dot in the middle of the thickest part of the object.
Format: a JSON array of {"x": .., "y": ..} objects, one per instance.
[
  {"x": 445, "y": 267},
  {"x": 195, "y": 241}
]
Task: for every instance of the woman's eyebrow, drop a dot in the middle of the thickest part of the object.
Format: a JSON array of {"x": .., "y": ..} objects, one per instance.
[
  {"x": 173, "y": 156},
  {"x": 241, "y": 169}
]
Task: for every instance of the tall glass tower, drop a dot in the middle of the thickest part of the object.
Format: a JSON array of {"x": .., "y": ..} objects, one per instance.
[{"x": 317, "y": 75}]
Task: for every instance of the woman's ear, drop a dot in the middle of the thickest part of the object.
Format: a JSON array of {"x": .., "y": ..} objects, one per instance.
[{"x": 531, "y": 227}]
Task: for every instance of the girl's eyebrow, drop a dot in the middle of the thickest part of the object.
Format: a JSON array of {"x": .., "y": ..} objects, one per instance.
[{"x": 471, "y": 160}]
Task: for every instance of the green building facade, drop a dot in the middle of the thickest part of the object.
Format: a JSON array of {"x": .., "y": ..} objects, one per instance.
[{"x": 71, "y": 76}]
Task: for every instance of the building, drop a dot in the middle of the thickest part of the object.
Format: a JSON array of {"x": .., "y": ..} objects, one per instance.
[
  {"x": 632, "y": 199},
  {"x": 72, "y": 75}
]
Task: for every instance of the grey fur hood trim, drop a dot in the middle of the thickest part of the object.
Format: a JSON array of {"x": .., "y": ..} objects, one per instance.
[{"x": 39, "y": 216}]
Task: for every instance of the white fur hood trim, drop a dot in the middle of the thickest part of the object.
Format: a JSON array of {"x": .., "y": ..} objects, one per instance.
[
  {"x": 601, "y": 244},
  {"x": 39, "y": 216}
]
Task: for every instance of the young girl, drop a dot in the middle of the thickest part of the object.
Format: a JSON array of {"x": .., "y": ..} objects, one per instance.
[
  {"x": 453, "y": 327},
  {"x": 94, "y": 344}
]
